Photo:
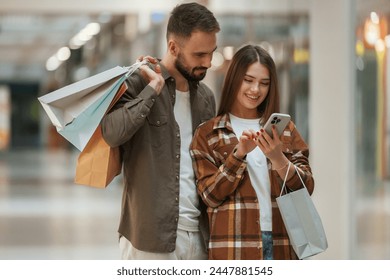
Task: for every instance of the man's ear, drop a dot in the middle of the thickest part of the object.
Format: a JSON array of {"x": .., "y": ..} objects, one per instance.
[{"x": 173, "y": 47}]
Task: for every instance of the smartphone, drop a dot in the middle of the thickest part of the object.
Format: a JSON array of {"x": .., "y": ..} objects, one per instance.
[{"x": 279, "y": 120}]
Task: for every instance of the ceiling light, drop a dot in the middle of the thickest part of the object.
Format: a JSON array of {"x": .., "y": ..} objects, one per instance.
[
  {"x": 387, "y": 40},
  {"x": 228, "y": 52},
  {"x": 92, "y": 28},
  {"x": 380, "y": 45},
  {"x": 371, "y": 32},
  {"x": 217, "y": 60},
  {"x": 63, "y": 54},
  {"x": 374, "y": 17},
  {"x": 52, "y": 63},
  {"x": 76, "y": 43}
]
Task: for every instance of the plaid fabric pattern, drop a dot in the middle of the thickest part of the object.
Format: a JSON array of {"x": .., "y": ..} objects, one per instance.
[{"x": 224, "y": 185}]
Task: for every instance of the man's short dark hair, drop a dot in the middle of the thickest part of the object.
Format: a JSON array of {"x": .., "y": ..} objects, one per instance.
[{"x": 190, "y": 17}]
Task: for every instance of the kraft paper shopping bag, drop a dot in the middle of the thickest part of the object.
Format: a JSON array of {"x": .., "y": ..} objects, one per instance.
[
  {"x": 302, "y": 221},
  {"x": 98, "y": 164}
]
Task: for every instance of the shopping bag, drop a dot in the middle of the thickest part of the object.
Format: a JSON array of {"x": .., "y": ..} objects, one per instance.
[
  {"x": 77, "y": 109},
  {"x": 302, "y": 221},
  {"x": 98, "y": 163}
]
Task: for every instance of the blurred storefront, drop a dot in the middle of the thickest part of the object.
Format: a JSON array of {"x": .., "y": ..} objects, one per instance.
[{"x": 372, "y": 122}]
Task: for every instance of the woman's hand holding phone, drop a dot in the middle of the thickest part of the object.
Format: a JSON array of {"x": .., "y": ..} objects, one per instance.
[
  {"x": 279, "y": 120},
  {"x": 270, "y": 145},
  {"x": 268, "y": 140}
]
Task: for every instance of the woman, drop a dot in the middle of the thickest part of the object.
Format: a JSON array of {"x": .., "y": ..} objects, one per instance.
[{"x": 240, "y": 168}]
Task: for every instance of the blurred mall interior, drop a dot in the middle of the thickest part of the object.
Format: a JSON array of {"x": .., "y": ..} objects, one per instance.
[{"x": 333, "y": 64}]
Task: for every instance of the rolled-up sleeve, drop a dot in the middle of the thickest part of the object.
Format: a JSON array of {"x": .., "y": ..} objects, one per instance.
[{"x": 215, "y": 182}]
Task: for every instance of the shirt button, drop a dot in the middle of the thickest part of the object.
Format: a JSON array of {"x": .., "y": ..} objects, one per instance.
[
  {"x": 257, "y": 222},
  {"x": 177, "y": 156},
  {"x": 176, "y": 219},
  {"x": 153, "y": 100},
  {"x": 142, "y": 115},
  {"x": 256, "y": 200},
  {"x": 177, "y": 177},
  {"x": 178, "y": 135},
  {"x": 225, "y": 153},
  {"x": 158, "y": 122},
  {"x": 177, "y": 199}
]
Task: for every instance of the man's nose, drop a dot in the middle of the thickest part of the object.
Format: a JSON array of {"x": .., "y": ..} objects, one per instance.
[{"x": 206, "y": 62}]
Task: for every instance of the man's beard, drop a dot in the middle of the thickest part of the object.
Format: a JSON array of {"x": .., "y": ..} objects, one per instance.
[{"x": 190, "y": 76}]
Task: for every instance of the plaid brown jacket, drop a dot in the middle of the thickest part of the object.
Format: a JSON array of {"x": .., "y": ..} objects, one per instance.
[{"x": 232, "y": 206}]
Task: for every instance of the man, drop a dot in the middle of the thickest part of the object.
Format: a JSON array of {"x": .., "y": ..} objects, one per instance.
[{"x": 153, "y": 123}]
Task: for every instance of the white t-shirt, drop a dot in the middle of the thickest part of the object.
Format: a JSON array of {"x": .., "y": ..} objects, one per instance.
[
  {"x": 258, "y": 171},
  {"x": 189, "y": 200}
]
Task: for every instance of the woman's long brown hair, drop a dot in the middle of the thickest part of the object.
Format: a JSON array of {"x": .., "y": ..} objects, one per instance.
[{"x": 240, "y": 63}]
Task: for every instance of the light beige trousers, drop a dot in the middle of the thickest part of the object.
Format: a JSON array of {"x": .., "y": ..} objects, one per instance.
[{"x": 189, "y": 246}]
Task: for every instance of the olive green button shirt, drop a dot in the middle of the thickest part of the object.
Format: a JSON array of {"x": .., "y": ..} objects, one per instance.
[{"x": 143, "y": 124}]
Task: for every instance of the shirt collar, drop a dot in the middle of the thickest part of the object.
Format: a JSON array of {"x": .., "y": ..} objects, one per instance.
[{"x": 223, "y": 121}]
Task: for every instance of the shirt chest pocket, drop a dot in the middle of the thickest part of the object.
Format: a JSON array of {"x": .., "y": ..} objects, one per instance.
[
  {"x": 221, "y": 153},
  {"x": 157, "y": 120},
  {"x": 158, "y": 116},
  {"x": 158, "y": 130}
]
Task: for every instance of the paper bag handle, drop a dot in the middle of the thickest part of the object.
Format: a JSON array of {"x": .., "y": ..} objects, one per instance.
[
  {"x": 285, "y": 177},
  {"x": 134, "y": 67}
]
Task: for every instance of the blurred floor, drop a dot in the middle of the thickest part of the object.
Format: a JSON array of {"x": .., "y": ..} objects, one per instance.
[
  {"x": 44, "y": 215},
  {"x": 372, "y": 220}
]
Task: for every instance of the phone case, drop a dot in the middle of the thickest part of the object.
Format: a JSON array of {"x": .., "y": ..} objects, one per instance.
[{"x": 279, "y": 120}]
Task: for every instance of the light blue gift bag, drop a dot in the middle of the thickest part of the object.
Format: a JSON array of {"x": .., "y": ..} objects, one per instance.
[{"x": 302, "y": 221}]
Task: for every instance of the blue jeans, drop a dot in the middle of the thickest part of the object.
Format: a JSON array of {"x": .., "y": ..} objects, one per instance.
[{"x": 268, "y": 252}]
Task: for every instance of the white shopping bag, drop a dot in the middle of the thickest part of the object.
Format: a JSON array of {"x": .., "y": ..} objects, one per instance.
[
  {"x": 77, "y": 109},
  {"x": 302, "y": 221}
]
